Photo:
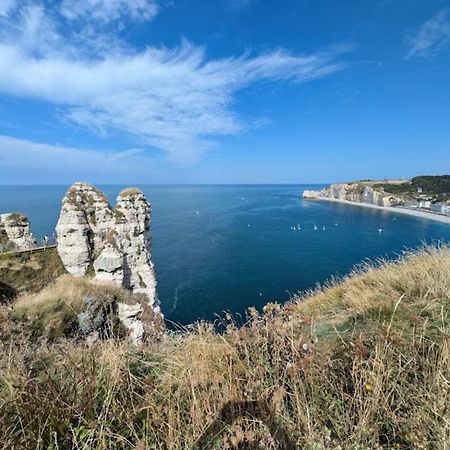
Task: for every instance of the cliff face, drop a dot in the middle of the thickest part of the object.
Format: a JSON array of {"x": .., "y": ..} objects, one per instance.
[
  {"x": 15, "y": 230},
  {"x": 125, "y": 256},
  {"x": 113, "y": 243},
  {"x": 355, "y": 192},
  {"x": 84, "y": 219}
]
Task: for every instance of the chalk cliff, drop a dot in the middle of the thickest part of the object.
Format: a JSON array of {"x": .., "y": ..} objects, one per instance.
[
  {"x": 112, "y": 244},
  {"x": 357, "y": 192},
  {"x": 81, "y": 228},
  {"x": 15, "y": 229}
]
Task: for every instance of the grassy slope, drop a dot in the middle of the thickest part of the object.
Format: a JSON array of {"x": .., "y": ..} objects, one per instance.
[
  {"x": 360, "y": 364},
  {"x": 28, "y": 272},
  {"x": 53, "y": 313}
]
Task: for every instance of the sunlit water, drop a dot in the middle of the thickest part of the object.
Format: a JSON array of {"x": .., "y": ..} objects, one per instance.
[{"x": 220, "y": 248}]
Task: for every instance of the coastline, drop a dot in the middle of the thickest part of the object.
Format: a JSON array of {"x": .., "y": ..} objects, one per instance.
[{"x": 420, "y": 214}]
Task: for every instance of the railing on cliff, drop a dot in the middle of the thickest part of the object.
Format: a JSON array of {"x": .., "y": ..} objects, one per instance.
[{"x": 7, "y": 249}]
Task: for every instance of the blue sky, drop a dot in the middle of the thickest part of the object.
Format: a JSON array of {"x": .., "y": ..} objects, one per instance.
[{"x": 223, "y": 91}]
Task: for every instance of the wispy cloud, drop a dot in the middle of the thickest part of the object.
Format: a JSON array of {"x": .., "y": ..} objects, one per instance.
[
  {"x": 431, "y": 36},
  {"x": 61, "y": 164},
  {"x": 172, "y": 99},
  {"x": 109, "y": 10},
  {"x": 6, "y": 6}
]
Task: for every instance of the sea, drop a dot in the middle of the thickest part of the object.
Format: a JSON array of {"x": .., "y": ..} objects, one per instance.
[{"x": 225, "y": 248}]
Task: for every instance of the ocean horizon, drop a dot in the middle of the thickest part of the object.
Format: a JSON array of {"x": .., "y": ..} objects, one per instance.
[{"x": 220, "y": 248}]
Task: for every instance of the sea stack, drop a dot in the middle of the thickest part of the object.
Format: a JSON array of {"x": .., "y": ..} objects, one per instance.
[
  {"x": 113, "y": 244},
  {"x": 15, "y": 227}
]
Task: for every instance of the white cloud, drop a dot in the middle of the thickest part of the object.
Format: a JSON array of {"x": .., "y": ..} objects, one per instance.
[
  {"x": 173, "y": 99},
  {"x": 431, "y": 36},
  {"x": 109, "y": 10},
  {"x": 60, "y": 164},
  {"x": 6, "y": 7}
]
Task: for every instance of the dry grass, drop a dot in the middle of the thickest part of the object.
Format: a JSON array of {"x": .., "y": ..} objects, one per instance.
[
  {"x": 130, "y": 192},
  {"x": 28, "y": 272},
  {"x": 54, "y": 312},
  {"x": 362, "y": 364}
]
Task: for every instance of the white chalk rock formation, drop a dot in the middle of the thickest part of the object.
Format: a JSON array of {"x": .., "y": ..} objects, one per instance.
[
  {"x": 16, "y": 226},
  {"x": 311, "y": 194},
  {"x": 131, "y": 318},
  {"x": 85, "y": 215},
  {"x": 115, "y": 244},
  {"x": 357, "y": 192},
  {"x": 108, "y": 266},
  {"x": 132, "y": 215}
]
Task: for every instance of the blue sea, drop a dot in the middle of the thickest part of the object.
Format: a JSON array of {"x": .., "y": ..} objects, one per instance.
[{"x": 226, "y": 248}]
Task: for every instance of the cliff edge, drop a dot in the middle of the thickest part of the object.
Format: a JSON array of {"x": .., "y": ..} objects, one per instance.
[{"x": 358, "y": 192}]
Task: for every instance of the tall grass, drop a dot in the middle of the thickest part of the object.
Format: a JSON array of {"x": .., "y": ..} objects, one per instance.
[
  {"x": 28, "y": 272},
  {"x": 360, "y": 364}
]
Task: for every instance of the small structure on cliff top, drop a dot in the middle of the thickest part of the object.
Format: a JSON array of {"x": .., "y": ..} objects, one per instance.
[{"x": 113, "y": 244}]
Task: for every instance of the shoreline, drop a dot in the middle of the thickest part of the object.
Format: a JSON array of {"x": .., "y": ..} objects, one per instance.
[{"x": 396, "y": 209}]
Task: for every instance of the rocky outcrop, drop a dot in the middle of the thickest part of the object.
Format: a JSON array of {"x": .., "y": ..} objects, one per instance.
[
  {"x": 311, "y": 194},
  {"x": 355, "y": 192},
  {"x": 15, "y": 231},
  {"x": 109, "y": 312},
  {"x": 113, "y": 244},
  {"x": 132, "y": 227},
  {"x": 84, "y": 219}
]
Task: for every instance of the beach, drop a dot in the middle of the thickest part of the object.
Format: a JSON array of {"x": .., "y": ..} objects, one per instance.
[{"x": 411, "y": 212}]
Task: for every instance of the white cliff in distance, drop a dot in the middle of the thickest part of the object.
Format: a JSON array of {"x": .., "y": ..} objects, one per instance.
[{"x": 357, "y": 192}]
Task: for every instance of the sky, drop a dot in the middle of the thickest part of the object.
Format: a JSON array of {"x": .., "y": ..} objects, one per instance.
[{"x": 223, "y": 91}]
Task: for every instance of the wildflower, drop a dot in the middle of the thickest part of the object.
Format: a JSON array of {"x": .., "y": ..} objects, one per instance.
[{"x": 368, "y": 387}]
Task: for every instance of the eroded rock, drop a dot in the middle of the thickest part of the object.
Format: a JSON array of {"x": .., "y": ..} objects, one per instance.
[
  {"x": 112, "y": 243},
  {"x": 132, "y": 215},
  {"x": 85, "y": 216},
  {"x": 357, "y": 192},
  {"x": 15, "y": 229}
]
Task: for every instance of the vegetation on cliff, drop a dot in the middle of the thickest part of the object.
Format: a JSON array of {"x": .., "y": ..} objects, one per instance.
[
  {"x": 363, "y": 363},
  {"x": 74, "y": 308},
  {"x": 28, "y": 272},
  {"x": 432, "y": 185}
]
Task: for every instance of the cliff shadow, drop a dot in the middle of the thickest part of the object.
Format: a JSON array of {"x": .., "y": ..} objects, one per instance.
[
  {"x": 257, "y": 409},
  {"x": 7, "y": 293}
]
